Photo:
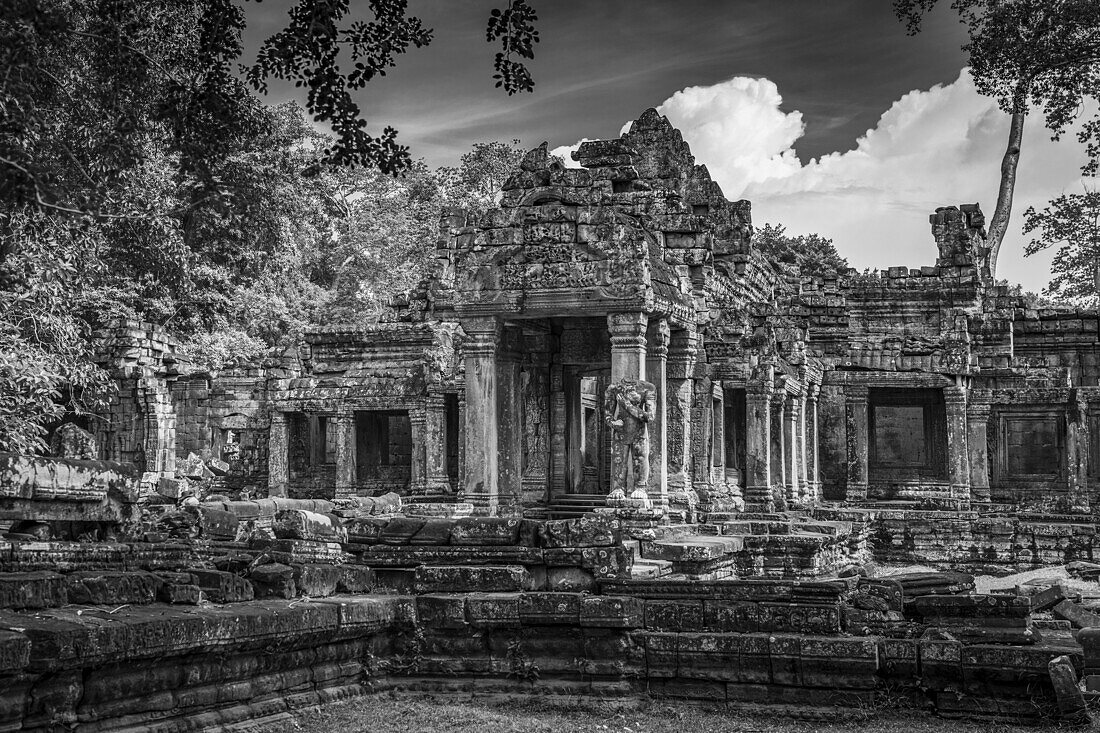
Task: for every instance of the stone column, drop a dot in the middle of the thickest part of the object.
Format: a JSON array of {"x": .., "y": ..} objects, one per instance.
[
  {"x": 509, "y": 423},
  {"x": 435, "y": 447},
  {"x": 656, "y": 369},
  {"x": 559, "y": 464},
  {"x": 535, "y": 389},
  {"x": 958, "y": 462},
  {"x": 758, "y": 441},
  {"x": 480, "y": 485},
  {"x": 856, "y": 417},
  {"x": 278, "y": 455},
  {"x": 977, "y": 438},
  {"x": 678, "y": 430},
  {"x": 813, "y": 449},
  {"x": 345, "y": 454},
  {"x": 791, "y": 429},
  {"x": 628, "y": 345},
  {"x": 418, "y": 466}
]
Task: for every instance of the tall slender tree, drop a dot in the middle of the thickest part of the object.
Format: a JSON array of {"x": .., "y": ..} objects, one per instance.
[{"x": 1028, "y": 54}]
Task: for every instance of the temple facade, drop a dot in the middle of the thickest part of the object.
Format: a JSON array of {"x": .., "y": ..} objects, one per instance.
[{"x": 609, "y": 338}]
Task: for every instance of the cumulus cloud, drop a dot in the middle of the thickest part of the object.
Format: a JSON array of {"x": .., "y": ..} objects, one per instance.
[{"x": 933, "y": 147}]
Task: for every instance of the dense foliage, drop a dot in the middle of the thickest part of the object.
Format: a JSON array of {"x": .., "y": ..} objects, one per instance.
[
  {"x": 141, "y": 176},
  {"x": 814, "y": 254},
  {"x": 1072, "y": 224}
]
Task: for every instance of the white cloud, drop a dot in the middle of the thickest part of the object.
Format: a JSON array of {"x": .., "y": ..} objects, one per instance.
[{"x": 935, "y": 147}]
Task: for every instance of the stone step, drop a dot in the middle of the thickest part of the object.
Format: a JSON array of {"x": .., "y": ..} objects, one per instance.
[{"x": 691, "y": 549}]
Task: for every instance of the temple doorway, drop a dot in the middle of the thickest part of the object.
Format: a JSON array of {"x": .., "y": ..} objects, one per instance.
[{"x": 588, "y": 439}]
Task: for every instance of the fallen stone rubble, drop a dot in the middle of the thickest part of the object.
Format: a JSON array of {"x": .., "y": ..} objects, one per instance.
[{"x": 204, "y": 632}]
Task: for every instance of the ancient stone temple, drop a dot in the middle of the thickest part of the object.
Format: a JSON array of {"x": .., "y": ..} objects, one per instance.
[
  {"x": 929, "y": 388},
  {"x": 607, "y": 441}
]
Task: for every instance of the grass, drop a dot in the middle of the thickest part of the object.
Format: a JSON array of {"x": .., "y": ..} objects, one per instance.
[{"x": 405, "y": 712}]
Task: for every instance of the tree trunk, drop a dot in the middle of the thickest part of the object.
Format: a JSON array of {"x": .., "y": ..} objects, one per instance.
[{"x": 999, "y": 224}]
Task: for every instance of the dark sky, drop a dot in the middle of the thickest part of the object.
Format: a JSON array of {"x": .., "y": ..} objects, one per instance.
[{"x": 599, "y": 64}]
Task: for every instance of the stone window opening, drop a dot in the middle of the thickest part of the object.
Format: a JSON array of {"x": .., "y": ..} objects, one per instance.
[
  {"x": 908, "y": 435},
  {"x": 700, "y": 209},
  {"x": 621, "y": 186}
]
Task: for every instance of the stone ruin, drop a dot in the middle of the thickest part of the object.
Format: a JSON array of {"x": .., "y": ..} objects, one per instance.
[{"x": 606, "y": 448}]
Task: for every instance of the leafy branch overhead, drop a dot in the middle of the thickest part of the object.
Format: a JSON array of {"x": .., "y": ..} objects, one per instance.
[
  {"x": 515, "y": 28},
  {"x": 1029, "y": 54}
]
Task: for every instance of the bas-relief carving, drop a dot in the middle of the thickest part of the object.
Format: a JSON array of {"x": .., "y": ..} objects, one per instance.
[{"x": 534, "y": 388}]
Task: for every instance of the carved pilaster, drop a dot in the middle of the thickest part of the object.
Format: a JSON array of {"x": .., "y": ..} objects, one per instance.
[
  {"x": 681, "y": 363},
  {"x": 812, "y": 444},
  {"x": 278, "y": 455},
  {"x": 758, "y": 442},
  {"x": 856, "y": 434},
  {"x": 345, "y": 454},
  {"x": 656, "y": 369}
]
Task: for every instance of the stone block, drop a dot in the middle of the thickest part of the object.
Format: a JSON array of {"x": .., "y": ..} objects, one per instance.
[
  {"x": 485, "y": 531},
  {"x": 401, "y": 530},
  {"x": 464, "y": 578},
  {"x": 316, "y": 580},
  {"x": 840, "y": 662},
  {"x": 41, "y": 589},
  {"x": 613, "y": 612},
  {"x": 170, "y": 487},
  {"x": 215, "y": 524},
  {"x": 298, "y": 524},
  {"x": 222, "y": 587},
  {"x": 703, "y": 656},
  {"x": 366, "y": 530},
  {"x": 570, "y": 579},
  {"x": 1071, "y": 703},
  {"x": 274, "y": 580},
  {"x": 434, "y": 532},
  {"x": 495, "y": 610},
  {"x": 591, "y": 530},
  {"x": 686, "y": 615},
  {"x": 1077, "y": 615},
  {"x": 355, "y": 579},
  {"x": 112, "y": 588},
  {"x": 441, "y": 610},
  {"x": 540, "y": 608},
  {"x": 15, "y": 654},
  {"x": 180, "y": 593}
]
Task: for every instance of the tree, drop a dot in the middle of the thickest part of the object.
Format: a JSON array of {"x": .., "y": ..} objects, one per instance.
[
  {"x": 814, "y": 254},
  {"x": 1071, "y": 223},
  {"x": 126, "y": 187},
  {"x": 1028, "y": 53}
]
